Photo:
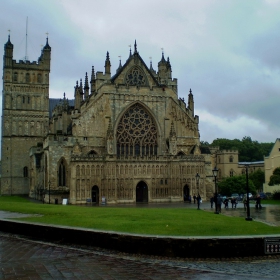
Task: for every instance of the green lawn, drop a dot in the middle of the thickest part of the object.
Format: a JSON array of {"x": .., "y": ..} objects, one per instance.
[{"x": 155, "y": 221}]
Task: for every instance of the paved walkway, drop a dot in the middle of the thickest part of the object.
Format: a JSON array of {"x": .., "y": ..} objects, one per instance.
[{"x": 26, "y": 259}]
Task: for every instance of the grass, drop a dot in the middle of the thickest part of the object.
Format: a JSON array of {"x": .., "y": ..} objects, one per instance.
[{"x": 155, "y": 221}]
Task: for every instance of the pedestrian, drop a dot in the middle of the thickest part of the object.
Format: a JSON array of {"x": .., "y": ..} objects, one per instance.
[
  {"x": 233, "y": 202},
  {"x": 258, "y": 202},
  {"x": 219, "y": 204},
  {"x": 198, "y": 198},
  {"x": 226, "y": 203},
  {"x": 194, "y": 198},
  {"x": 244, "y": 200},
  {"x": 211, "y": 201}
]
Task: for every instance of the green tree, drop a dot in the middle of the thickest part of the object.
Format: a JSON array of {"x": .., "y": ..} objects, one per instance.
[
  {"x": 275, "y": 177},
  {"x": 235, "y": 184},
  {"x": 248, "y": 149},
  {"x": 258, "y": 178}
]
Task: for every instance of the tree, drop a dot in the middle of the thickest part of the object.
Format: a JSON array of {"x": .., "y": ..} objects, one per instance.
[
  {"x": 235, "y": 184},
  {"x": 275, "y": 177},
  {"x": 258, "y": 178}
]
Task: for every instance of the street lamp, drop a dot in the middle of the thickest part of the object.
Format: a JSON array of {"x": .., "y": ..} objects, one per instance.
[
  {"x": 197, "y": 186},
  {"x": 49, "y": 192},
  {"x": 215, "y": 174},
  {"x": 248, "y": 218}
]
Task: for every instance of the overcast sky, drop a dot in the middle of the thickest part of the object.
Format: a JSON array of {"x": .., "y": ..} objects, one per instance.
[{"x": 226, "y": 51}]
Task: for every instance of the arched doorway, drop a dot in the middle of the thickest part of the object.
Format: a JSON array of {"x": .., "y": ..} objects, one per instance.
[
  {"x": 186, "y": 193},
  {"x": 141, "y": 192},
  {"x": 95, "y": 194}
]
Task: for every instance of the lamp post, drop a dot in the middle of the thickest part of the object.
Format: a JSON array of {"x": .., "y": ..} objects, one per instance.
[
  {"x": 197, "y": 186},
  {"x": 248, "y": 218},
  {"x": 49, "y": 192},
  {"x": 215, "y": 174}
]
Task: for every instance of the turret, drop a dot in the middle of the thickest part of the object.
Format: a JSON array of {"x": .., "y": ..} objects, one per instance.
[
  {"x": 46, "y": 56},
  {"x": 190, "y": 102},
  {"x": 107, "y": 64},
  {"x": 77, "y": 96},
  {"x": 8, "y": 53},
  {"x": 162, "y": 65}
]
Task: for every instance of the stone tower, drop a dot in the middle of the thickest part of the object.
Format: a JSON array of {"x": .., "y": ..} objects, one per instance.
[{"x": 25, "y": 115}]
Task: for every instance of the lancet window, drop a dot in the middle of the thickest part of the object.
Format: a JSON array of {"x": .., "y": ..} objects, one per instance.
[
  {"x": 62, "y": 174},
  {"x": 136, "y": 133}
]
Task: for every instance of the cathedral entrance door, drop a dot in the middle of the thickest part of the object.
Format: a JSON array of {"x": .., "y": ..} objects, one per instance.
[
  {"x": 141, "y": 192},
  {"x": 186, "y": 193},
  {"x": 95, "y": 194}
]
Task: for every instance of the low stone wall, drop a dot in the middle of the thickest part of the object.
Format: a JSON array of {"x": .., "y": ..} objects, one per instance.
[{"x": 184, "y": 247}]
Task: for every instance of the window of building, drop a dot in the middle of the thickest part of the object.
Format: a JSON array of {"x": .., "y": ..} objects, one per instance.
[
  {"x": 231, "y": 159},
  {"x": 137, "y": 133},
  {"x": 15, "y": 77},
  {"x": 27, "y": 78},
  {"x": 25, "y": 171},
  {"x": 231, "y": 173},
  {"x": 62, "y": 174},
  {"x": 23, "y": 99},
  {"x": 39, "y": 78}
]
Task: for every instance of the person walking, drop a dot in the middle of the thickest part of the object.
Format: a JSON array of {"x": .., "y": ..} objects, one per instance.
[
  {"x": 219, "y": 203},
  {"x": 198, "y": 198},
  {"x": 211, "y": 201},
  {"x": 244, "y": 200},
  {"x": 258, "y": 202},
  {"x": 226, "y": 203},
  {"x": 194, "y": 198}
]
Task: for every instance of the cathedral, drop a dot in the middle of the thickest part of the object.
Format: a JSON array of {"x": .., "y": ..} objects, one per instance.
[{"x": 125, "y": 137}]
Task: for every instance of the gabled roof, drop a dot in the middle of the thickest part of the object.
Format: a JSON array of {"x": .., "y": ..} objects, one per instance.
[{"x": 131, "y": 57}]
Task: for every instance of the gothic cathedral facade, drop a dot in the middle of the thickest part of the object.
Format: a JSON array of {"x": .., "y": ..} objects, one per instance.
[{"x": 125, "y": 138}]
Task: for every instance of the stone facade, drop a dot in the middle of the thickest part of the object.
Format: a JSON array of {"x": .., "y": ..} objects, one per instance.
[
  {"x": 271, "y": 162},
  {"x": 125, "y": 138},
  {"x": 25, "y": 115}
]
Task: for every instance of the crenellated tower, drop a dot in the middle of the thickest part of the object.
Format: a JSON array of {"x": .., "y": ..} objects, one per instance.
[{"x": 25, "y": 115}]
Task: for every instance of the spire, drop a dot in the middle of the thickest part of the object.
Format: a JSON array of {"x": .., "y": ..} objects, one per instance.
[
  {"x": 92, "y": 81},
  {"x": 135, "y": 47},
  {"x": 130, "y": 54},
  {"x": 107, "y": 64},
  {"x": 86, "y": 87},
  {"x": 120, "y": 65},
  {"x": 47, "y": 46},
  {"x": 191, "y": 102},
  {"x": 86, "y": 81},
  {"x": 162, "y": 56}
]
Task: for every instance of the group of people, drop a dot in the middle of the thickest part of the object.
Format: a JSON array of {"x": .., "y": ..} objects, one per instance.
[{"x": 233, "y": 200}]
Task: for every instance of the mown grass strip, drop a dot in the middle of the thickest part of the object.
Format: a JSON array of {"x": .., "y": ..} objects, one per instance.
[{"x": 155, "y": 221}]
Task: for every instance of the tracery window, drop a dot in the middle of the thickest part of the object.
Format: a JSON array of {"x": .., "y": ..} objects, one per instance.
[
  {"x": 135, "y": 77},
  {"x": 62, "y": 174},
  {"x": 137, "y": 133}
]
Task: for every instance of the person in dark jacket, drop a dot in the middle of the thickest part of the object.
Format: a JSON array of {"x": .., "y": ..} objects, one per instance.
[
  {"x": 211, "y": 201},
  {"x": 198, "y": 198},
  {"x": 258, "y": 202}
]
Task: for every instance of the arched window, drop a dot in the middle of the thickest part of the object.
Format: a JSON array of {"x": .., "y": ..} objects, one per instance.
[
  {"x": 137, "y": 133},
  {"x": 39, "y": 78},
  {"x": 230, "y": 173},
  {"x": 15, "y": 77},
  {"x": 27, "y": 78},
  {"x": 62, "y": 174},
  {"x": 25, "y": 171}
]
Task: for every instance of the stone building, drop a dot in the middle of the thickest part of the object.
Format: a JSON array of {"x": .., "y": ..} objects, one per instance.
[
  {"x": 125, "y": 138},
  {"x": 271, "y": 162},
  {"x": 25, "y": 115}
]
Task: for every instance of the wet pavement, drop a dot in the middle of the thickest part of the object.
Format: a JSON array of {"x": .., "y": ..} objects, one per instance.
[
  {"x": 27, "y": 259},
  {"x": 22, "y": 258}
]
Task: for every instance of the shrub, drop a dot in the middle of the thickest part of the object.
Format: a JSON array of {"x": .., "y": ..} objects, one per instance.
[{"x": 276, "y": 195}]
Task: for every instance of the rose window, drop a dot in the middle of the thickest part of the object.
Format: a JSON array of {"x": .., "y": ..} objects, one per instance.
[{"x": 136, "y": 133}]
